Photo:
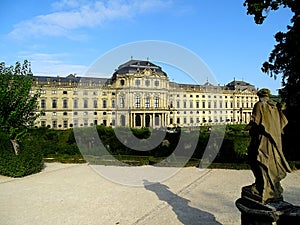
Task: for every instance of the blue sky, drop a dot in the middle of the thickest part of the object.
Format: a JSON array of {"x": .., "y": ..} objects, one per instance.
[{"x": 67, "y": 36}]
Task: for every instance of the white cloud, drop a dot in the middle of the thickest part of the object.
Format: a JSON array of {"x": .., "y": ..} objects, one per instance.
[
  {"x": 44, "y": 64},
  {"x": 75, "y": 14}
]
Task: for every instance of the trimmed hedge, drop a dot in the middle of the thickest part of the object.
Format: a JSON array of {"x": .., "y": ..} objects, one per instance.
[{"x": 28, "y": 161}]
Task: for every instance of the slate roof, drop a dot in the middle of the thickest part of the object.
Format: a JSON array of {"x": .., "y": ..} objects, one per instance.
[
  {"x": 133, "y": 66},
  {"x": 70, "y": 78},
  {"x": 240, "y": 85}
]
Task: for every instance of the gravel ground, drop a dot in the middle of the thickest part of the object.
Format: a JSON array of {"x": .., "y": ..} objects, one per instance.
[{"x": 77, "y": 194}]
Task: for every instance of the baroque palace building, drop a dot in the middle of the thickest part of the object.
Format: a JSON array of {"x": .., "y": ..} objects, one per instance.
[{"x": 140, "y": 94}]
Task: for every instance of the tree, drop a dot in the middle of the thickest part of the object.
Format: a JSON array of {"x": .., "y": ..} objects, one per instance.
[
  {"x": 285, "y": 58},
  {"x": 17, "y": 105}
]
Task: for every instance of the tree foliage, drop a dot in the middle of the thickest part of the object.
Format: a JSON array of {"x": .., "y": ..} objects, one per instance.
[
  {"x": 285, "y": 58},
  {"x": 17, "y": 104}
]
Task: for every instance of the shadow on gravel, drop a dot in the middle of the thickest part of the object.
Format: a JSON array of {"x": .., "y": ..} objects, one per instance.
[{"x": 186, "y": 214}]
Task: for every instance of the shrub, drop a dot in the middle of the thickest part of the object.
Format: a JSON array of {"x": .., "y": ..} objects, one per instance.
[{"x": 28, "y": 161}]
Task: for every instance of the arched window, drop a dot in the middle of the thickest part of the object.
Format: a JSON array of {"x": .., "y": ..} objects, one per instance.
[
  {"x": 54, "y": 103},
  {"x": 122, "y": 118},
  {"x": 65, "y": 103},
  {"x": 138, "y": 120}
]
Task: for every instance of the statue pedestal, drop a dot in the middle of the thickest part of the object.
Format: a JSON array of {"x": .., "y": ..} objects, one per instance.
[{"x": 254, "y": 212}]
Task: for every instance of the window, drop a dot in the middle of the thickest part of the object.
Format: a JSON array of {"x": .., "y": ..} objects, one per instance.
[
  {"x": 43, "y": 123},
  {"x": 95, "y": 93},
  {"x": 147, "y": 102},
  {"x": 221, "y": 105},
  {"x": 138, "y": 120},
  {"x": 138, "y": 102},
  {"x": 95, "y": 103},
  {"x": 43, "y": 92},
  {"x": 178, "y": 104},
  {"x": 156, "y": 83},
  {"x": 85, "y": 92},
  {"x": 65, "y": 92},
  {"x": 122, "y": 102},
  {"x": 113, "y": 103},
  {"x": 85, "y": 103},
  {"x": 43, "y": 103},
  {"x": 104, "y": 105},
  {"x": 65, "y": 113},
  {"x": 54, "y": 124},
  {"x": 75, "y": 113},
  {"x": 122, "y": 82},
  {"x": 209, "y": 104},
  {"x": 191, "y": 105},
  {"x": 75, "y": 92},
  {"x": 104, "y": 93},
  {"x": 75, "y": 103},
  {"x": 54, "y": 103},
  {"x": 75, "y": 123},
  {"x": 53, "y": 92},
  {"x": 65, "y": 103},
  {"x": 197, "y": 105},
  {"x": 53, "y": 113},
  {"x": 137, "y": 82},
  {"x": 147, "y": 83},
  {"x": 65, "y": 123},
  {"x": 184, "y": 104},
  {"x": 156, "y": 102}
]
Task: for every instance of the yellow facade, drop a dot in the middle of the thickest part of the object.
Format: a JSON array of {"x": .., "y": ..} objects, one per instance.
[{"x": 140, "y": 94}]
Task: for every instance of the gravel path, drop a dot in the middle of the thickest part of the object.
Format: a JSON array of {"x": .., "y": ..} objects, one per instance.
[{"x": 76, "y": 194}]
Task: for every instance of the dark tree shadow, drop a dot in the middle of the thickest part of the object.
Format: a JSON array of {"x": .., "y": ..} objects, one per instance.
[{"x": 186, "y": 214}]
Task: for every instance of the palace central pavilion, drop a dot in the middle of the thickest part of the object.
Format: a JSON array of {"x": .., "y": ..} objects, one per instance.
[{"x": 140, "y": 94}]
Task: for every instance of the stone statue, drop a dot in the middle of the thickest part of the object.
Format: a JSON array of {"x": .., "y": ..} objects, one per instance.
[{"x": 266, "y": 158}]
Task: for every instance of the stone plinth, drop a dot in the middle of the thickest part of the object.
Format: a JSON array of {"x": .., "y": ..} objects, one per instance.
[{"x": 254, "y": 212}]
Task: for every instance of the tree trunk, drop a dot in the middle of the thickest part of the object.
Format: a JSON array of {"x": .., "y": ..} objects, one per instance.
[{"x": 15, "y": 146}]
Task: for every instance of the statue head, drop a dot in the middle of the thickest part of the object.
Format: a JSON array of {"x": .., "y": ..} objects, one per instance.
[{"x": 264, "y": 93}]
